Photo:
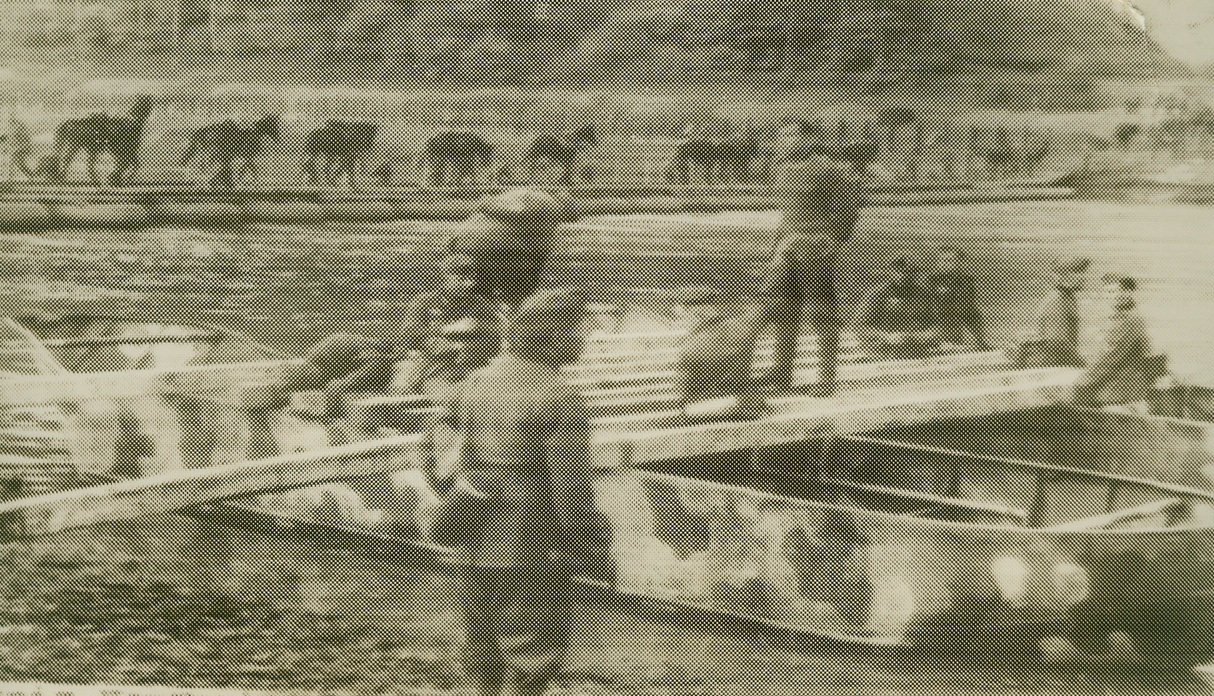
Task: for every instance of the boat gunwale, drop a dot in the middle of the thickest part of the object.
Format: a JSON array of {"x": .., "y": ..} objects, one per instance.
[{"x": 803, "y": 503}]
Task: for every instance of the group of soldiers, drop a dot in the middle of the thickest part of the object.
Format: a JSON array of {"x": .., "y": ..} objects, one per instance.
[{"x": 495, "y": 259}]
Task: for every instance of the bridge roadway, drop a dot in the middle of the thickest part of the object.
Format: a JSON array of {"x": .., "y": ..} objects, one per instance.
[
  {"x": 56, "y": 207},
  {"x": 632, "y": 441}
]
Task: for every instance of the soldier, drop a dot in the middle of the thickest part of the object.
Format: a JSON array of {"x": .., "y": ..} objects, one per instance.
[
  {"x": 1052, "y": 340},
  {"x": 955, "y": 301},
  {"x": 1123, "y": 371},
  {"x": 821, "y": 200},
  {"x": 527, "y": 449},
  {"x": 510, "y": 237},
  {"x": 447, "y": 333},
  {"x": 895, "y": 320},
  {"x": 451, "y": 331}
]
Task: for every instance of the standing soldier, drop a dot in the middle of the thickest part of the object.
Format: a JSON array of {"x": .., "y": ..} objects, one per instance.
[
  {"x": 510, "y": 237},
  {"x": 527, "y": 450},
  {"x": 821, "y": 200}
]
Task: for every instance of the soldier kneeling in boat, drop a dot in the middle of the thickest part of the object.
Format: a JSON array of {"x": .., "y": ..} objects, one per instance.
[
  {"x": 448, "y": 333},
  {"x": 896, "y": 319},
  {"x": 1125, "y": 371}
]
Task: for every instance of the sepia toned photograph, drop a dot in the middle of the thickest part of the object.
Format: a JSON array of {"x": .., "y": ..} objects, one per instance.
[{"x": 606, "y": 347}]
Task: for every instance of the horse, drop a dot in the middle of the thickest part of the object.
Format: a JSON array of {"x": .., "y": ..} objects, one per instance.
[
  {"x": 692, "y": 153},
  {"x": 125, "y": 134},
  {"x": 225, "y": 142},
  {"x": 458, "y": 154},
  {"x": 562, "y": 150},
  {"x": 100, "y": 133},
  {"x": 343, "y": 146},
  {"x": 735, "y": 157}
]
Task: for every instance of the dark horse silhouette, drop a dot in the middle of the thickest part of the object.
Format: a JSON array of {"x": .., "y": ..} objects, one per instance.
[
  {"x": 341, "y": 146},
  {"x": 860, "y": 154},
  {"x": 561, "y": 150},
  {"x": 692, "y": 154},
  {"x": 729, "y": 160},
  {"x": 100, "y": 133},
  {"x": 225, "y": 142},
  {"x": 735, "y": 157},
  {"x": 454, "y": 157}
]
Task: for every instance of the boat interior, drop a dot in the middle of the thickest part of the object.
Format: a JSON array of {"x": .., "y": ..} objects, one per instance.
[{"x": 1102, "y": 471}]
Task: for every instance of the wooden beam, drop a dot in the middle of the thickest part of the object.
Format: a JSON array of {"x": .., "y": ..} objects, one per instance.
[
  {"x": 1122, "y": 516},
  {"x": 981, "y": 506},
  {"x": 56, "y": 512},
  {"x": 653, "y": 437},
  {"x": 42, "y": 357},
  {"x": 199, "y": 337}
]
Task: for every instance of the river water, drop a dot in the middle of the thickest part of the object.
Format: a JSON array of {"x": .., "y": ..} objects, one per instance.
[{"x": 169, "y": 601}]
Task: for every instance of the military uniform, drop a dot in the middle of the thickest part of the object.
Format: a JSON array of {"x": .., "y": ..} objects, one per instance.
[
  {"x": 451, "y": 335},
  {"x": 1119, "y": 374},
  {"x": 1052, "y": 338},
  {"x": 900, "y": 309},
  {"x": 954, "y": 299},
  {"x": 1055, "y": 342},
  {"x": 527, "y": 448},
  {"x": 821, "y": 201}
]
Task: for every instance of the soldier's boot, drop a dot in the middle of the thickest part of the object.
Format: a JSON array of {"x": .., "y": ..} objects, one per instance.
[
  {"x": 828, "y": 360},
  {"x": 778, "y": 378}
]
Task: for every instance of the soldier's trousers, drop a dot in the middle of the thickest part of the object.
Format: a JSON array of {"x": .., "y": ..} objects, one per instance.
[{"x": 786, "y": 318}]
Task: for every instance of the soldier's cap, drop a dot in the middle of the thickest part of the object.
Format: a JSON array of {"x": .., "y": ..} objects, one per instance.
[
  {"x": 520, "y": 206},
  {"x": 1073, "y": 264}
]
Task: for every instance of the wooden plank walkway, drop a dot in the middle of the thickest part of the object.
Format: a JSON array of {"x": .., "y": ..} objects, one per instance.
[
  {"x": 639, "y": 439},
  {"x": 626, "y": 442}
]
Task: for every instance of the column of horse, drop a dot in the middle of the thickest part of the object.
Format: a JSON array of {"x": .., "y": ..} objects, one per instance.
[{"x": 97, "y": 134}]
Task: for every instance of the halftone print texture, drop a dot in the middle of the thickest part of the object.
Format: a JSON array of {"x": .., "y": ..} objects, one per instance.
[{"x": 824, "y": 413}]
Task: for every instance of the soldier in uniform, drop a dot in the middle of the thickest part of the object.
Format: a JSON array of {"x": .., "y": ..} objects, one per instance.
[
  {"x": 527, "y": 449},
  {"x": 1122, "y": 372},
  {"x": 895, "y": 320},
  {"x": 1052, "y": 340},
  {"x": 510, "y": 237},
  {"x": 955, "y": 301},
  {"x": 447, "y": 333},
  {"x": 821, "y": 200}
]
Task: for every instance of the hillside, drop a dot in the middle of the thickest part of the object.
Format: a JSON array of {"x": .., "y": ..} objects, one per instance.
[{"x": 408, "y": 44}]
